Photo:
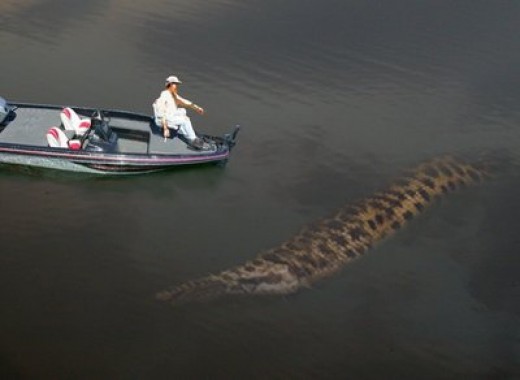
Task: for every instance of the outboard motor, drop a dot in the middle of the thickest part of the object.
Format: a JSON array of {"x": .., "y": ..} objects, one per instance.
[{"x": 5, "y": 110}]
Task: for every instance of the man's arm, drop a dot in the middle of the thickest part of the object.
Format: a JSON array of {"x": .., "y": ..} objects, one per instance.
[{"x": 188, "y": 104}]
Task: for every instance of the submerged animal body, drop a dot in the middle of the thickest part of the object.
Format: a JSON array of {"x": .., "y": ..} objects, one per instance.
[{"x": 321, "y": 249}]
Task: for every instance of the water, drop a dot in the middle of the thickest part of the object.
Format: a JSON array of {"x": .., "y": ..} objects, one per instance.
[{"x": 336, "y": 99}]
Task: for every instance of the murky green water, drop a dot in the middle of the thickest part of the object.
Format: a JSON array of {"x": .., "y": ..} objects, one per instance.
[{"x": 336, "y": 98}]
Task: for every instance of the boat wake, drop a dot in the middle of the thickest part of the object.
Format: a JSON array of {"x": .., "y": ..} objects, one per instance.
[{"x": 321, "y": 249}]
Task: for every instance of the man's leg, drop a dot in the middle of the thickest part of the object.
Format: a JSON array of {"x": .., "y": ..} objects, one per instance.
[{"x": 186, "y": 128}]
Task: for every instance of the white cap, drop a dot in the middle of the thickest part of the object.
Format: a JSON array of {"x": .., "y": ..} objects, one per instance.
[{"x": 172, "y": 79}]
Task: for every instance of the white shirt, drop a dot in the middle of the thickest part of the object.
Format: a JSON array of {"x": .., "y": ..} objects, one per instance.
[{"x": 166, "y": 106}]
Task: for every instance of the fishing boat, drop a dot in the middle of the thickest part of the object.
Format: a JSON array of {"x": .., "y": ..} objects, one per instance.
[{"x": 101, "y": 141}]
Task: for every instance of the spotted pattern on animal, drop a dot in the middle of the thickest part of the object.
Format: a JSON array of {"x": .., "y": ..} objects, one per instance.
[{"x": 323, "y": 248}]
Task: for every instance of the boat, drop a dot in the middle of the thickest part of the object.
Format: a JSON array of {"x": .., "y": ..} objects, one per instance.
[{"x": 100, "y": 141}]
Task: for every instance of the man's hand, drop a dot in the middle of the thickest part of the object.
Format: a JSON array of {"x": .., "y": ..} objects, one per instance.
[{"x": 197, "y": 109}]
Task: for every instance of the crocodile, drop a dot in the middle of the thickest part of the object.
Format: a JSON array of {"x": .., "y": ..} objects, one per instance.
[{"x": 322, "y": 248}]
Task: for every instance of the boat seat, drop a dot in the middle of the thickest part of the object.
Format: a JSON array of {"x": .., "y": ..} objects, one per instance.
[
  {"x": 58, "y": 139},
  {"x": 157, "y": 116},
  {"x": 72, "y": 122}
]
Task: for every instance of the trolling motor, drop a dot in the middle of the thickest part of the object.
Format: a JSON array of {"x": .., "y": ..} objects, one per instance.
[{"x": 231, "y": 138}]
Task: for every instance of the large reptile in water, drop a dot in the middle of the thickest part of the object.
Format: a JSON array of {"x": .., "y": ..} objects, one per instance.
[{"x": 321, "y": 249}]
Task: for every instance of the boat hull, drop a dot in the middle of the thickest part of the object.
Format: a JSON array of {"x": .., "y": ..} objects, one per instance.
[
  {"x": 149, "y": 152},
  {"x": 96, "y": 166}
]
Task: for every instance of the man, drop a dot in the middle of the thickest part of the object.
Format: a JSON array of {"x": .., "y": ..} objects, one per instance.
[{"x": 170, "y": 112}]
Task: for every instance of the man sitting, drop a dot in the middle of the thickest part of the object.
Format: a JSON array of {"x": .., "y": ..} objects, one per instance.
[{"x": 170, "y": 112}]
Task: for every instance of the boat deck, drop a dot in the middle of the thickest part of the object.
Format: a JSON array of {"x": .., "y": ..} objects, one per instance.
[{"x": 31, "y": 125}]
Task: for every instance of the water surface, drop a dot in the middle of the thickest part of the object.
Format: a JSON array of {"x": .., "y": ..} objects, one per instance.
[{"x": 336, "y": 98}]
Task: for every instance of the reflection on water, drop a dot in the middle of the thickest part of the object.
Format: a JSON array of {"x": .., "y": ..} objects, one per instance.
[
  {"x": 10, "y": 6},
  {"x": 46, "y": 20},
  {"x": 335, "y": 98}
]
